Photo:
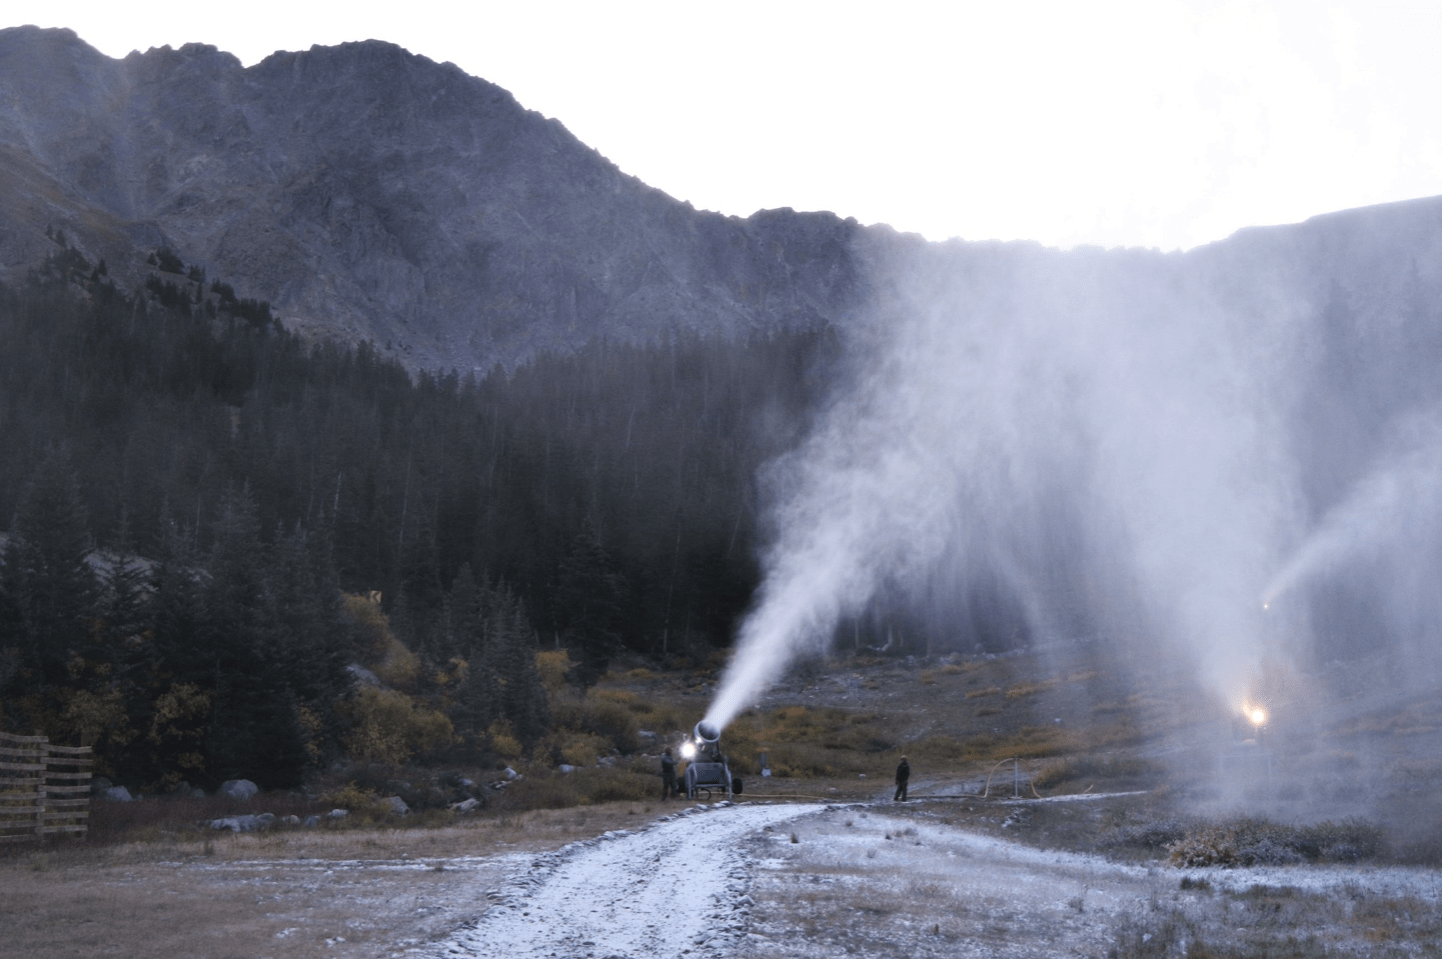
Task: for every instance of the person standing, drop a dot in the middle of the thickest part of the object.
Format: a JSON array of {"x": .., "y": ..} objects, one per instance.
[
  {"x": 668, "y": 774},
  {"x": 903, "y": 775}
]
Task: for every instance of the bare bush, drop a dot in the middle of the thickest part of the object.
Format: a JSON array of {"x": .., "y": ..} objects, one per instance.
[{"x": 1259, "y": 842}]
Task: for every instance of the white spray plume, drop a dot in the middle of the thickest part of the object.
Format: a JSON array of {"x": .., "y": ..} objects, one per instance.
[
  {"x": 1398, "y": 498},
  {"x": 1002, "y": 382}
]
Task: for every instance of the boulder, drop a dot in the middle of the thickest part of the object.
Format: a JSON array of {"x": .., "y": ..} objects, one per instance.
[
  {"x": 466, "y": 805},
  {"x": 245, "y": 823},
  {"x": 396, "y": 805},
  {"x": 338, "y": 813},
  {"x": 117, "y": 794},
  {"x": 566, "y": 768},
  {"x": 238, "y": 789}
]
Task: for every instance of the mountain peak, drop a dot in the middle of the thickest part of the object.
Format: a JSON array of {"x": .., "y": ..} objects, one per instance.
[{"x": 369, "y": 193}]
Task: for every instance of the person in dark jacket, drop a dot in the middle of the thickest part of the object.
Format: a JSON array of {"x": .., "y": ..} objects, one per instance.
[
  {"x": 668, "y": 774},
  {"x": 903, "y": 774}
]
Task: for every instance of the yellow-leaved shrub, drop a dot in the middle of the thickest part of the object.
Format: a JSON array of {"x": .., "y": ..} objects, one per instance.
[{"x": 389, "y": 727}]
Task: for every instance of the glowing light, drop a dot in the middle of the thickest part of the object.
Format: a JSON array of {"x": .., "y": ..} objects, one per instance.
[
  {"x": 1258, "y": 716},
  {"x": 688, "y": 749}
]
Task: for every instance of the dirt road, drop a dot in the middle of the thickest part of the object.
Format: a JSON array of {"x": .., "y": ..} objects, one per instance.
[
  {"x": 874, "y": 880},
  {"x": 675, "y": 888}
]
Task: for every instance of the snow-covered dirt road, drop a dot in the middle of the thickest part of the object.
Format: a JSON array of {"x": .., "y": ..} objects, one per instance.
[
  {"x": 676, "y": 888},
  {"x": 881, "y": 882}
]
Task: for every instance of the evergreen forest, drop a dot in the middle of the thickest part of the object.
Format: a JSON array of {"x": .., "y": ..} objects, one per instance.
[{"x": 211, "y": 521}]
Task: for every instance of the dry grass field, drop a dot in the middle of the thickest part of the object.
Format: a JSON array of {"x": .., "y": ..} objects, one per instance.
[
  {"x": 347, "y": 893},
  {"x": 151, "y": 880}
]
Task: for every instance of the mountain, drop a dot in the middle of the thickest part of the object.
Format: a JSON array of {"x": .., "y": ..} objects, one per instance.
[{"x": 370, "y": 194}]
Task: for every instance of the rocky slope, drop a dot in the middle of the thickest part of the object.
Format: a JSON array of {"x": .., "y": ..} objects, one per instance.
[
  {"x": 368, "y": 193},
  {"x": 371, "y": 194}
]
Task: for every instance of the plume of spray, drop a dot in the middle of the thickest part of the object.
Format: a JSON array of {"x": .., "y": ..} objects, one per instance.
[
  {"x": 1391, "y": 510},
  {"x": 997, "y": 383}
]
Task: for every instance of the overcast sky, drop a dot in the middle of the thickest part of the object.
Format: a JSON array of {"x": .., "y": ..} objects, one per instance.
[{"x": 1148, "y": 123}]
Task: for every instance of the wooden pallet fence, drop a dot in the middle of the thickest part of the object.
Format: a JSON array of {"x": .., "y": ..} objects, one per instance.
[{"x": 44, "y": 788}]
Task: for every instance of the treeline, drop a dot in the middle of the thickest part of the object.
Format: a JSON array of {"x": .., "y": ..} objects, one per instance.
[{"x": 588, "y": 503}]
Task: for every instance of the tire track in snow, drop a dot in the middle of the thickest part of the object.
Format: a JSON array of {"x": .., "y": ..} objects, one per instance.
[{"x": 675, "y": 888}]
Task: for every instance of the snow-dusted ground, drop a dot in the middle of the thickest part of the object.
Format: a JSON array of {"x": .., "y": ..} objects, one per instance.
[
  {"x": 792, "y": 880},
  {"x": 676, "y": 888},
  {"x": 865, "y": 882}
]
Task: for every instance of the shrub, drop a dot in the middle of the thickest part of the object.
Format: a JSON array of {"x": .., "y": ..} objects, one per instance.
[
  {"x": 400, "y": 668},
  {"x": 615, "y": 723},
  {"x": 352, "y": 798},
  {"x": 575, "y": 747},
  {"x": 618, "y": 724},
  {"x": 1093, "y": 768},
  {"x": 503, "y": 741},
  {"x": 553, "y": 665},
  {"x": 550, "y": 789},
  {"x": 387, "y": 726},
  {"x": 1154, "y": 835},
  {"x": 1350, "y": 840},
  {"x": 376, "y": 646},
  {"x": 369, "y": 627},
  {"x": 1259, "y": 842}
]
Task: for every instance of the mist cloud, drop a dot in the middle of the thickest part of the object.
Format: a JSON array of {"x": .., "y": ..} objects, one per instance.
[{"x": 1099, "y": 431}]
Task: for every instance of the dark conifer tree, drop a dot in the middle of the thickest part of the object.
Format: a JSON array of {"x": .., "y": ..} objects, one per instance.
[
  {"x": 510, "y": 652},
  {"x": 311, "y": 638},
  {"x": 47, "y": 575},
  {"x": 424, "y": 599},
  {"x": 255, "y": 727},
  {"x": 177, "y": 613},
  {"x": 478, "y": 699},
  {"x": 122, "y": 595},
  {"x": 465, "y": 615},
  {"x": 588, "y": 605}
]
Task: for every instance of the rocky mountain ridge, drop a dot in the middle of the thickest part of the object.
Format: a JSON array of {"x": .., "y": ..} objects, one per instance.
[{"x": 372, "y": 194}]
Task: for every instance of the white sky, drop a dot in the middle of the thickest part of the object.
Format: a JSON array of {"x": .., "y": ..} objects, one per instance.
[{"x": 1164, "y": 123}]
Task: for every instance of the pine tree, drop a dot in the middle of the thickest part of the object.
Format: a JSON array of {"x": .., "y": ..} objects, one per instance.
[
  {"x": 255, "y": 727},
  {"x": 465, "y": 615},
  {"x": 177, "y": 613},
  {"x": 588, "y": 603},
  {"x": 47, "y": 578},
  {"x": 311, "y": 637},
  {"x": 478, "y": 701},
  {"x": 122, "y": 593},
  {"x": 511, "y": 654}
]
